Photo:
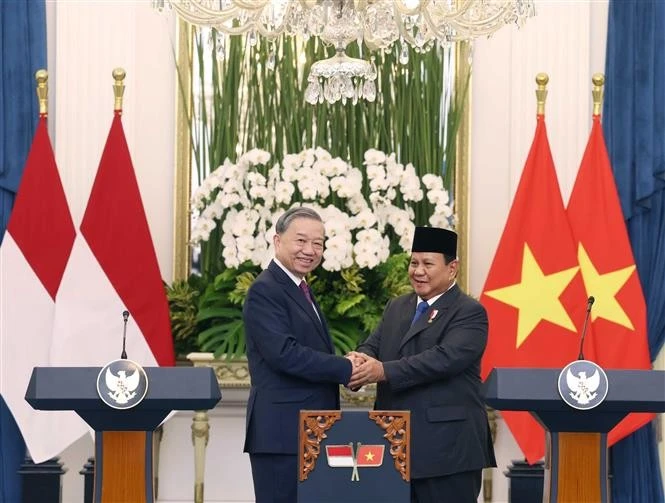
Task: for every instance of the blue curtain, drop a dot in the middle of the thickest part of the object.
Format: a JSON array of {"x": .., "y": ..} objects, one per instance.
[
  {"x": 634, "y": 126},
  {"x": 22, "y": 52}
]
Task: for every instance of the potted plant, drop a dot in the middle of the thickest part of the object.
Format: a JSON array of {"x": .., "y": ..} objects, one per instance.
[{"x": 368, "y": 238}]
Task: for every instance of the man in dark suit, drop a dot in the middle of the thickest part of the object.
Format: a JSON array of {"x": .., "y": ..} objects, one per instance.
[
  {"x": 292, "y": 362},
  {"x": 425, "y": 356}
]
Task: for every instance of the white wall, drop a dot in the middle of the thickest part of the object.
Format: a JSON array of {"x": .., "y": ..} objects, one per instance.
[{"x": 90, "y": 39}]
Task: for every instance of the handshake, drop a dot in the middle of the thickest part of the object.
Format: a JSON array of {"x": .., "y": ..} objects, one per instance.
[{"x": 365, "y": 370}]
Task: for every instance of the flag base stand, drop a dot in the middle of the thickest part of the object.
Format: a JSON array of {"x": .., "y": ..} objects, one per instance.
[
  {"x": 88, "y": 473},
  {"x": 526, "y": 482},
  {"x": 41, "y": 482}
]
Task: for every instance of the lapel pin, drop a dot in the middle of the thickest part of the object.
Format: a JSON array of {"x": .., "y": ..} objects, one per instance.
[{"x": 432, "y": 315}]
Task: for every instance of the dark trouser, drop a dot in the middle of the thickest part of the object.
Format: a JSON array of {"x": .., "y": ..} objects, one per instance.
[
  {"x": 461, "y": 487},
  {"x": 275, "y": 477}
]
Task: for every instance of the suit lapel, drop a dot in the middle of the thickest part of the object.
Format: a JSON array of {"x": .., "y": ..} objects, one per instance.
[
  {"x": 441, "y": 306},
  {"x": 398, "y": 318},
  {"x": 323, "y": 324},
  {"x": 296, "y": 294},
  {"x": 407, "y": 314}
]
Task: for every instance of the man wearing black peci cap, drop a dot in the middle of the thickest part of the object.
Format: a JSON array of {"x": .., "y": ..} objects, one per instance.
[{"x": 425, "y": 356}]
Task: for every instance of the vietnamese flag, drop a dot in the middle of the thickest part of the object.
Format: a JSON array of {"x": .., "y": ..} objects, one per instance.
[
  {"x": 618, "y": 337},
  {"x": 369, "y": 455},
  {"x": 534, "y": 294}
]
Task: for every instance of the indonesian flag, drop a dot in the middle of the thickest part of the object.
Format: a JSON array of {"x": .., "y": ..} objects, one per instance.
[
  {"x": 112, "y": 268},
  {"x": 534, "y": 294},
  {"x": 340, "y": 456},
  {"x": 33, "y": 255},
  {"x": 618, "y": 337}
]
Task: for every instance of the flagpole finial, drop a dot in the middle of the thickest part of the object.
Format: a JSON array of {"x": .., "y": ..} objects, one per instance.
[
  {"x": 41, "y": 76},
  {"x": 598, "y": 80},
  {"x": 118, "y": 87},
  {"x": 541, "y": 92}
]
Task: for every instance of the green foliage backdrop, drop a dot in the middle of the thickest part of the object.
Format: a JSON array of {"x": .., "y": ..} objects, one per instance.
[{"x": 253, "y": 97}]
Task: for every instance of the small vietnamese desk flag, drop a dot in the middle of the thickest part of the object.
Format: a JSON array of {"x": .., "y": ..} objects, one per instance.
[
  {"x": 113, "y": 268},
  {"x": 618, "y": 335},
  {"x": 534, "y": 294},
  {"x": 369, "y": 455},
  {"x": 39, "y": 238}
]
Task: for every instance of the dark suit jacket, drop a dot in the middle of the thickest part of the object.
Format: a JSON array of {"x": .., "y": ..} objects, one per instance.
[
  {"x": 433, "y": 369},
  {"x": 292, "y": 362}
]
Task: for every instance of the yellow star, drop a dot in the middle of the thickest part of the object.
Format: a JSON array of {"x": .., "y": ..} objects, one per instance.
[
  {"x": 369, "y": 456},
  {"x": 604, "y": 288},
  {"x": 536, "y": 297}
]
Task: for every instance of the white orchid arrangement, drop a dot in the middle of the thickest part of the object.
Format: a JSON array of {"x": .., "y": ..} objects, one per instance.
[
  {"x": 368, "y": 213},
  {"x": 247, "y": 197}
]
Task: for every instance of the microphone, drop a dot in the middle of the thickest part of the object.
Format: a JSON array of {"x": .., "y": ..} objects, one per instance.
[
  {"x": 589, "y": 303},
  {"x": 125, "y": 317}
]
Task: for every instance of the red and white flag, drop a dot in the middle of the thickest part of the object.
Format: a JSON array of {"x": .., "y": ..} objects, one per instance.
[
  {"x": 34, "y": 251},
  {"x": 340, "y": 456},
  {"x": 112, "y": 268}
]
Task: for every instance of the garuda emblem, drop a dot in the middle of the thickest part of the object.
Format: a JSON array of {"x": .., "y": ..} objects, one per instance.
[
  {"x": 583, "y": 388},
  {"x": 122, "y": 384},
  {"x": 122, "y": 387},
  {"x": 583, "y": 384}
]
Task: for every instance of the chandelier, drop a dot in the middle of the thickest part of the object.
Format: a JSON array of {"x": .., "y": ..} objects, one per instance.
[{"x": 380, "y": 24}]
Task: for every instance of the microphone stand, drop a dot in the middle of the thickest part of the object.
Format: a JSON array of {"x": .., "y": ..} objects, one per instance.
[
  {"x": 590, "y": 302},
  {"x": 125, "y": 317}
]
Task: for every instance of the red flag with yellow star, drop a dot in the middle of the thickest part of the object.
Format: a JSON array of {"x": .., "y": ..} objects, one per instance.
[
  {"x": 618, "y": 336},
  {"x": 533, "y": 294}
]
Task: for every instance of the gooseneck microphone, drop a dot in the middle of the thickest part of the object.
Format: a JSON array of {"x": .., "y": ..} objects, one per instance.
[
  {"x": 125, "y": 317},
  {"x": 589, "y": 303}
]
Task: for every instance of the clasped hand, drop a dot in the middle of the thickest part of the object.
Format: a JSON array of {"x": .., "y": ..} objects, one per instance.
[{"x": 365, "y": 370}]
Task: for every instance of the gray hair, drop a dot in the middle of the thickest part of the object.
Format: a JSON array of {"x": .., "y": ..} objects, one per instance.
[{"x": 290, "y": 215}]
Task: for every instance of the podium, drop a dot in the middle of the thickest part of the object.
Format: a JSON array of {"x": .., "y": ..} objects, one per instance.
[
  {"x": 576, "y": 459},
  {"x": 354, "y": 456},
  {"x": 123, "y": 438}
]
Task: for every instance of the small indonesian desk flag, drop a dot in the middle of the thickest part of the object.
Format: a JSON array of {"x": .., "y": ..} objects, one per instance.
[{"x": 340, "y": 456}]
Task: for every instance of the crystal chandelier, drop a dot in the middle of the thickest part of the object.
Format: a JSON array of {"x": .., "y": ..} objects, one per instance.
[{"x": 380, "y": 24}]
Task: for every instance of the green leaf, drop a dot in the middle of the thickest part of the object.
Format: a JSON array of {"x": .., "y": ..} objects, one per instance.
[
  {"x": 218, "y": 312},
  {"x": 347, "y": 303}
]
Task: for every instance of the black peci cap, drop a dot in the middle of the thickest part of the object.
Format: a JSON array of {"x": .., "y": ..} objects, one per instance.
[{"x": 433, "y": 239}]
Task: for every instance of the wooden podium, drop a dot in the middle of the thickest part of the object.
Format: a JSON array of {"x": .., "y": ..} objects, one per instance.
[
  {"x": 123, "y": 438},
  {"x": 576, "y": 461}
]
